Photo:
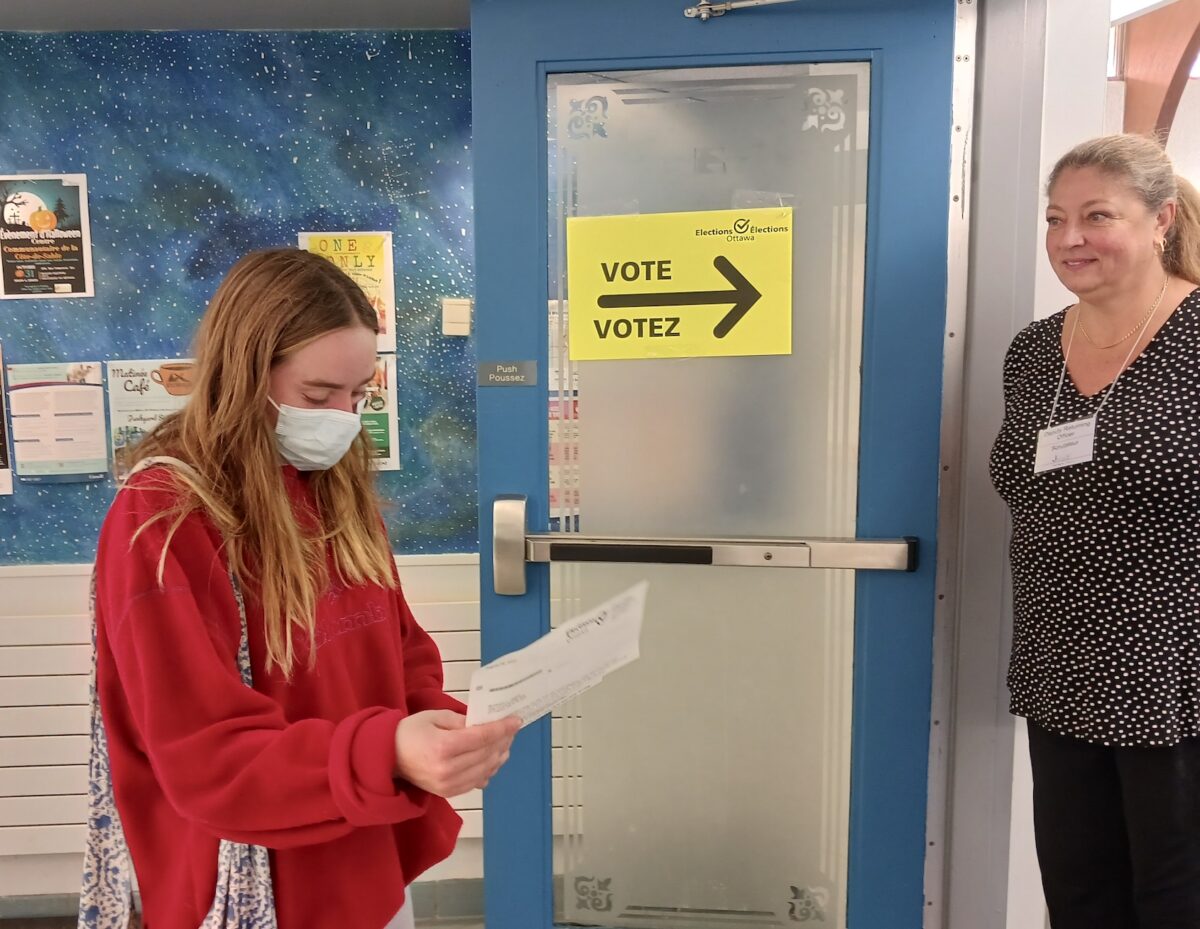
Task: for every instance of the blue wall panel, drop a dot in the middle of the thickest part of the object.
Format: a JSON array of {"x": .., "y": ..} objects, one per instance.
[{"x": 200, "y": 146}]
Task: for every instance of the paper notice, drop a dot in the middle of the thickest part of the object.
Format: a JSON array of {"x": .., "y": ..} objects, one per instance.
[
  {"x": 141, "y": 394},
  {"x": 47, "y": 250},
  {"x": 562, "y": 664},
  {"x": 380, "y": 415},
  {"x": 58, "y": 422},
  {"x": 367, "y": 258}
]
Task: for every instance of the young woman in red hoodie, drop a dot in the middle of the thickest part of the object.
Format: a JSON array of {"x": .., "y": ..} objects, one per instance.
[{"x": 272, "y": 725}]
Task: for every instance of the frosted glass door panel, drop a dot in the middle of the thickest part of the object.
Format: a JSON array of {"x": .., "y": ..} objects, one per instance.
[{"x": 708, "y": 783}]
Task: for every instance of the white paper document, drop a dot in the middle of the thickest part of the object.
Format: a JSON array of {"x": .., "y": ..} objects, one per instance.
[
  {"x": 562, "y": 664},
  {"x": 58, "y": 421}
]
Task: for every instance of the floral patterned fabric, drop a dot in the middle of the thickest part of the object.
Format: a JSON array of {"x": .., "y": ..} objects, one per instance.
[{"x": 243, "y": 897}]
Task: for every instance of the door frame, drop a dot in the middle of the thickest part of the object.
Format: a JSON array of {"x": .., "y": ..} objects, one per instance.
[
  {"x": 939, "y": 801},
  {"x": 508, "y": 30}
]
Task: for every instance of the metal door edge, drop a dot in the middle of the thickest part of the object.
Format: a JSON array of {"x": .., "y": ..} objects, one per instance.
[{"x": 941, "y": 736}]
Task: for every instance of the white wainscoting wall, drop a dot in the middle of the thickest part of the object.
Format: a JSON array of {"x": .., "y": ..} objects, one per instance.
[
  {"x": 44, "y": 664},
  {"x": 44, "y": 661}
]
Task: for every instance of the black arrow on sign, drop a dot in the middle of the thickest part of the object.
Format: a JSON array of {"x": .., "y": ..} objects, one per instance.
[{"x": 743, "y": 296}]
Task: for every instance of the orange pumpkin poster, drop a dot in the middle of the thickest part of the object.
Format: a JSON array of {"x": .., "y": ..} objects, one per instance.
[{"x": 45, "y": 237}]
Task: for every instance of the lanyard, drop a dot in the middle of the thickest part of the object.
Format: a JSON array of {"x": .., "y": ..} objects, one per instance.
[{"x": 1125, "y": 364}]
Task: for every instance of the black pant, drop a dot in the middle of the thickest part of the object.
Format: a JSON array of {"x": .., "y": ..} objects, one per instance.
[{"x": 1117, "y": 832}]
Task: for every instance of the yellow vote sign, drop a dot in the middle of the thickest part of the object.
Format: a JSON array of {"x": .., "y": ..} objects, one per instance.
[{"x": 680, "y": 285}]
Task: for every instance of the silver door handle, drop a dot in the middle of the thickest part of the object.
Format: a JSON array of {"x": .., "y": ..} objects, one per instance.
[{"x": 513, "y": 546}]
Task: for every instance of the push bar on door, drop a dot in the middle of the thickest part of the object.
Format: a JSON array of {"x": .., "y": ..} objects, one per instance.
[{"x": 512, "y": 547}]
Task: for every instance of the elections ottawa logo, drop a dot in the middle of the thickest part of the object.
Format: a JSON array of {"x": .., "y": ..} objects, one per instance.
[{"x": 742, "y": 230}]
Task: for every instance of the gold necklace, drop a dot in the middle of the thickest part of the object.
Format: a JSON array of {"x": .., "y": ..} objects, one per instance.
[{"x": 1136, "y": 326}]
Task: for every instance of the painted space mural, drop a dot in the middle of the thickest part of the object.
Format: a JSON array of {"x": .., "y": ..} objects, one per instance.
[{"x": 201, "y": 146}]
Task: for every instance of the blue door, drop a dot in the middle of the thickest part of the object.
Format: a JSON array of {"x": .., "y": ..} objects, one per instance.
[{"x": 783, "y": 171}]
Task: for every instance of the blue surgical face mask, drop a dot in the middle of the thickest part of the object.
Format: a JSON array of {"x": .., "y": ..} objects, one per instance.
[{"x": 314, "y": 440}]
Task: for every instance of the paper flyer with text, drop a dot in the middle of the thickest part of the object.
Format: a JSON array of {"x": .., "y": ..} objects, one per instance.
[
  {"x": 568, "y": 660},
  {"x": 380, "y": 415},
  {"x": 58, "y": 422},
  {"x": 141, "y": 394},
  {"x": 45, "y": 237},
  {"x": 367, "y": 258}
]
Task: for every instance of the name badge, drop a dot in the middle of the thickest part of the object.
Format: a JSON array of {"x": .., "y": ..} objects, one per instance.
[{"x": 1068, "y": 444}]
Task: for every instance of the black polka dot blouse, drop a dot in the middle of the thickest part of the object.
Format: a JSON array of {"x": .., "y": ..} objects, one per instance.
[{"x": 1106, "y": 554}]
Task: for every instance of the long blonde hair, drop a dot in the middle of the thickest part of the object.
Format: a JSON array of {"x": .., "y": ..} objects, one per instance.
[
  {"x": 271, "y": 304},
  {"x": 1143, "y": 163}
]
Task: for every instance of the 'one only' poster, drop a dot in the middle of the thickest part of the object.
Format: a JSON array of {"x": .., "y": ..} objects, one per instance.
[
  {"x": 58, "y": 422},
  {"x": 141, "y": 394},
  {"x": 45, "y": 238},
  {"x": 367, "y": 258}
]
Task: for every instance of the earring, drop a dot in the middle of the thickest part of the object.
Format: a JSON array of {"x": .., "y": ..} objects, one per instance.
[{"x": 1160, "y": 248}]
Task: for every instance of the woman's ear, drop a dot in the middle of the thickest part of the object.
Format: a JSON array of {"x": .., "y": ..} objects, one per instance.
[{"x": 1165, "y": 219}]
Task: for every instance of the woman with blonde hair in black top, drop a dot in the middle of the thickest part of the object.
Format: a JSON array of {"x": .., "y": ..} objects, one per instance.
[{"x": 1097, "y": 459}]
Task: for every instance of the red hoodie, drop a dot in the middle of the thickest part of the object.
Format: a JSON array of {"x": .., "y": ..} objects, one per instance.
[{"x": 303, "y": 767}]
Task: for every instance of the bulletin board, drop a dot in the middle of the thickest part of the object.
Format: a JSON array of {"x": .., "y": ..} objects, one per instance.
[{"x": 201, "y": 146}]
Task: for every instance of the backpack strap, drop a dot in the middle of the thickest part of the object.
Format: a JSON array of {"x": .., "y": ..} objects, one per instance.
[{"x": 166, "y": 461}]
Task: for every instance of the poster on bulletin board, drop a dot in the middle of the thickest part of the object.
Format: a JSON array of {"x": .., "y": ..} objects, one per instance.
[
  {"x": 367, "y": 258},
  {"x": 380, "y": 416},
  {"x": 141, "y": 394},
  {"x": 45, "y": 237},
  {"x": 58, "y": 422}
]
